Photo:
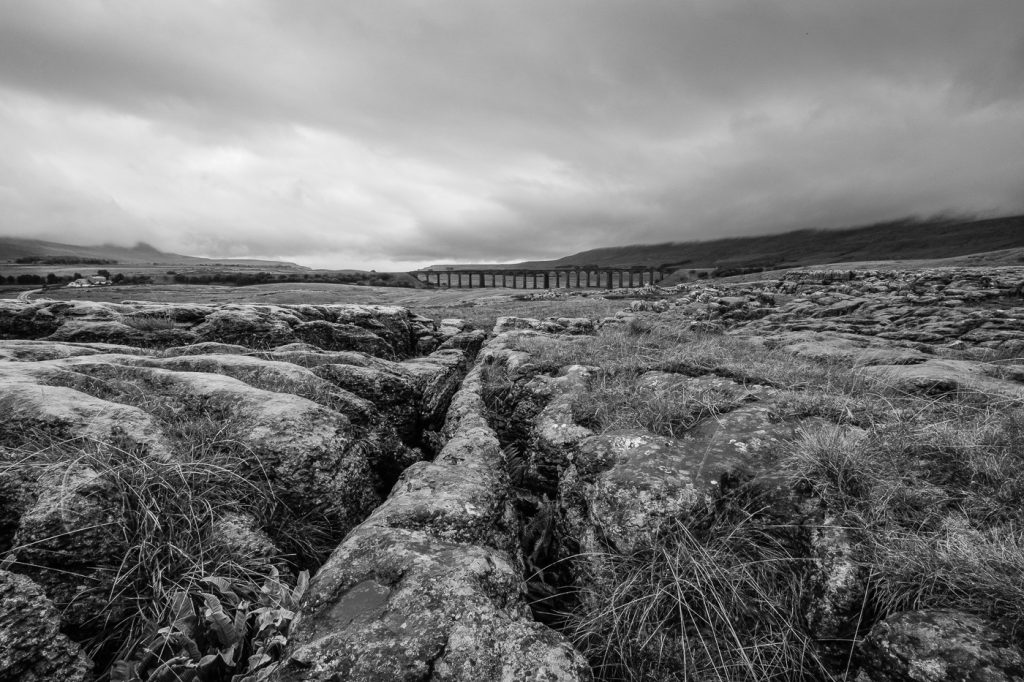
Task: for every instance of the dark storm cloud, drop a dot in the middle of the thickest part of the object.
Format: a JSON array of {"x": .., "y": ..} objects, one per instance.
[{"x": 349, "y": 133}]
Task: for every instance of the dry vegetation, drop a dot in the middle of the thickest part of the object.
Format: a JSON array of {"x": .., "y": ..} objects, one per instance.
[{"x": 925, "y": 493}]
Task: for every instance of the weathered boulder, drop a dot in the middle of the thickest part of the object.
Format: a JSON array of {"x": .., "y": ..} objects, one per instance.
[
  {"x": 19, "y": 320},
  {"x": 936, "y": 646},
  {"x": 270, "y": 375},
  {"x": 836, "y": 584},
  {"x": 847, "y": 348},
  {"x": 391, "y": 391},
  {"x": 335, "y": 336},
  {"x": 67, "y": 535},
  {"x": 206, "y": 348},
  {"x": 397, "y": 326},
  {"x": 36, "y": 407},
  {"x": 622, "y": 485},
  {"x": 32, "y": 649},
  {"x": 17, "y": 491},
  {"x": 314, "y": 457},
  {"x": 939, "y": 376},
  {"x": 31, "y": 350},
  {"x": 242, "y": 540},
  {"x": 252, "y": 326},
  {"x": 468, "y": 341}
]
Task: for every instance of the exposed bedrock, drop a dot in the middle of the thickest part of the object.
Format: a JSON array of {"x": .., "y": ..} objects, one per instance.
[
  {"x": 430, "y": 587},
  {"x": 934, "y": 331},
  {"x": 386, "y": 331},
  {"x": 31, "y": 647},
  {"x": 327, "y": 441},
  {"x": 933, "y": 645},
  {"x": 614, "y": 487},
  {"x": 928, "y": 311}
]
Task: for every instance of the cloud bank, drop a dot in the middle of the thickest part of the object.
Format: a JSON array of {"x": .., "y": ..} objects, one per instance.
[{"x": 396, "y": 133}]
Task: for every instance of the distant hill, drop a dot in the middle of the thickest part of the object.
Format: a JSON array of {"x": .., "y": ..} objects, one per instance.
[
  {"x": 910, "y": 239},
  {"x": 898, "y": 240},
  {"x": 14, "y": 248}
]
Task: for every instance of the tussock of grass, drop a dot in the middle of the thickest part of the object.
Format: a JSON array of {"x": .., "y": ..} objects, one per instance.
[
  {"x": 616, "y": 402},
  {"x": 956, "y": 566},
  {"x": 161, "y": 522},
  {"x": 161, "y": 519},
  {"x": 717, "y": 596},
  {"x": 936, "y": 498}
]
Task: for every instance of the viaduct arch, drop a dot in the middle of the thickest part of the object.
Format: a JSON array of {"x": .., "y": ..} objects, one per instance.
[{"x": 581, "y": 277}]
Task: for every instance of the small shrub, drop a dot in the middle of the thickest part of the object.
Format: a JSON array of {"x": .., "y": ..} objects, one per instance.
[{"x": 219, "y": 630}]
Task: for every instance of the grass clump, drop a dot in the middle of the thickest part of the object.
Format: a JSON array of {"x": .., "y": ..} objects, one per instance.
[
  {"x": 129, "y": 535},
  {"x": 714, "y": 596},
  {"x": 618, "y": 402},
  {"x": 936, "y": 501}
]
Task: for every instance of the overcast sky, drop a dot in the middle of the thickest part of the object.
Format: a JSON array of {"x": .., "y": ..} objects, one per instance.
[{"x": 391, "y": 134}]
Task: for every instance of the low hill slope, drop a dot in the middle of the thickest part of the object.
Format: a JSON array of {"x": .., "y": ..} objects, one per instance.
[
  {"x": 13, "y": 248},
  {"x": 909, "y": 239},
  {"x": 899, "y": 240}
]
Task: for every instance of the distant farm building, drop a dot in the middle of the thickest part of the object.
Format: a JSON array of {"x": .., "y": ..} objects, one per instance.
[{"x": 94, "y": 281}]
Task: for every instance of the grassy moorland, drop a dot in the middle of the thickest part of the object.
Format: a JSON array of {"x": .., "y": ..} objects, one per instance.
[{"x": 920, "y": 499}]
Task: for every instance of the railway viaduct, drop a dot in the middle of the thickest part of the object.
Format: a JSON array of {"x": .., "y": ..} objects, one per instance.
[{"x": 555, "y": 278}]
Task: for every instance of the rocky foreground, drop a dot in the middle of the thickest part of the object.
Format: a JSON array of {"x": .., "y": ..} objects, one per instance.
[{"x": 470, "y": 492}]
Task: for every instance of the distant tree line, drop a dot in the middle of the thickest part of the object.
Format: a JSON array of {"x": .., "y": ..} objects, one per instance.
[
  {"x": 52, "y": 280},
  {"x": 371, "y": 279},
  {"x": 63, "y": 260}
]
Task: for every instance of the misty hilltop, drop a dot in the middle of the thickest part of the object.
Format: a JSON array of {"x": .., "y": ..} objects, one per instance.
[{"x": 37, "y": 250}]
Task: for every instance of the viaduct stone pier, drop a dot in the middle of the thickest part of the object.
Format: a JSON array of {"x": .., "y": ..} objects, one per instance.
[{"x": 574, "y": 278}]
